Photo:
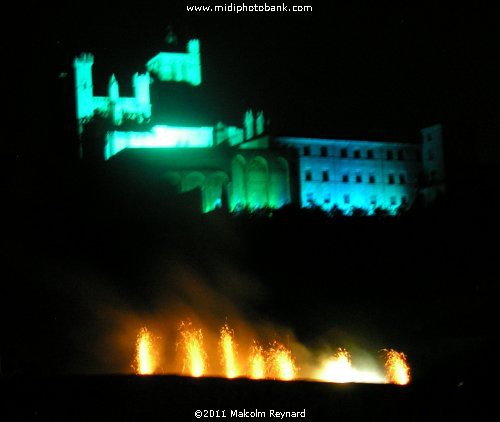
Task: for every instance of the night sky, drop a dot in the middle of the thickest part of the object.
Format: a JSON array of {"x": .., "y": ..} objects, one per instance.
[
  {"x": 352, "y": 72},
  {"x": 359, "y": 72}
]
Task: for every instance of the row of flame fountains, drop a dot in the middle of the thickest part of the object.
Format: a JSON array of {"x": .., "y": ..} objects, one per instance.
[{"x": 274, "y": 362}]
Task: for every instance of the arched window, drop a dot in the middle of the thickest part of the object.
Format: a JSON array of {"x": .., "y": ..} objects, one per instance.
[{"x": 257, "y": 183}]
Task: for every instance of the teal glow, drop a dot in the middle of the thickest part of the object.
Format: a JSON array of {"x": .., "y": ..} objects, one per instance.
[
  {"x": 256, "y": 143},
  {"x": 84, "y": 89},
  {"x": 178, "y": 67},
  {"x": 141, "y": 84},
  {"x": 210, "y": 183},
  {"x": 249, "y": 124},
  {"x": 114, "y": 89},
  {"x": 87, "y": 104},
  {"x": 238, "y": 191},
  {"x": 231, "y": 134},
  {"x": 259, "y": 123},
  {"x": 352, "y": 175},
  {"x": 259, "y": 182},
  {"x": 246, "y": 170},
  {"x": 161, "y": 136}
]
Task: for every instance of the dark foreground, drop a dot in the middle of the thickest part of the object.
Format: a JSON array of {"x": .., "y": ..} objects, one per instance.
[{"x": 172, "y": 398}]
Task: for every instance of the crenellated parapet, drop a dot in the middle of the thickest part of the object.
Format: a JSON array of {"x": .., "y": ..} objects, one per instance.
[{"x": 87, "y": 104}]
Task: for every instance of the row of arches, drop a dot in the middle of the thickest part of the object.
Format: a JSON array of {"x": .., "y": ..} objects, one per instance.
[
  {"x": 258, "y": 182},
  {"x": 254, "y": 183}
]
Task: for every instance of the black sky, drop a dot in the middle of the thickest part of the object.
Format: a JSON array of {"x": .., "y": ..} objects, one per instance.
[{"x": 361, "y": 72}]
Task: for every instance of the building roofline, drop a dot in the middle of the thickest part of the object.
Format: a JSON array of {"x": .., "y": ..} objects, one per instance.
[{"x": 328, "y": 140}]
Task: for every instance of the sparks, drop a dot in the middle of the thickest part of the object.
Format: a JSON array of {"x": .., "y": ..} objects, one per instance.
[
  {"x": 145, "y": 360},
  {"x": 281, "y": 362},
  {"x": 256, "y": 361},
  {"x": 275, "y": 362},
  {"x": 337, "y": 368},
  {"x": 228, "y": 351},
  {"x": 397, "y": 368},
  {"x": 195, "y": 358}
]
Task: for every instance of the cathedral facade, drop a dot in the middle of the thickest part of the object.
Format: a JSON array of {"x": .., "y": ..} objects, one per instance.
[{"x": 246, "y": 166}]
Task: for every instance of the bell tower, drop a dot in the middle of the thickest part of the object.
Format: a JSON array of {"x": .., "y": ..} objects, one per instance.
[{"x": 84, "y": 88}]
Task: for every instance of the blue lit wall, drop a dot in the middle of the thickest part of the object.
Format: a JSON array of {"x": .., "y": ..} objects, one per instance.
[
  {"x": 359, "y": 174},
  {"x": 347, "y": 174}
]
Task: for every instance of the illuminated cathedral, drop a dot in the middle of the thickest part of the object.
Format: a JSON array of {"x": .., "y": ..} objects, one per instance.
[{"x": 246, "y": 166}]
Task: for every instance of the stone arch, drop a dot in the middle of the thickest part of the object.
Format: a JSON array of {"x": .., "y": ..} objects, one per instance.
[
  {"x": 238, "y": 183},
  {"x": 193, "y": 180},
  {"x": 214, "y": 186},
  {"x": 257, "y": 183},
  {"x": 279, "y": 181},
  {"x": 173, "y": 180}
]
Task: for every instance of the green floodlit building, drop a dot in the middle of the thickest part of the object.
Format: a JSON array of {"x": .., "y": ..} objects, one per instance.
[{"x": 246, "y": 165}]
